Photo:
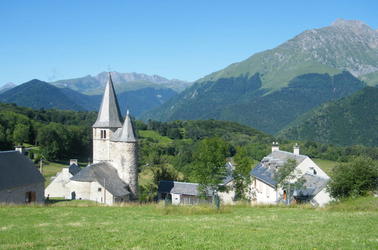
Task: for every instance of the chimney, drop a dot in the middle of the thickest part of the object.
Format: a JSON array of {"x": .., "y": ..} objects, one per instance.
[
  {"x": 73, "y": 161},
  {"x": 275, "y": 146},
  {"x": 296, "y": 149},
  {"x": 20, "y": 149}
]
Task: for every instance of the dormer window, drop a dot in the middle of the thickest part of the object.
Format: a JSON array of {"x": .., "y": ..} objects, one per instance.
[{"x": 103, "y": 134}]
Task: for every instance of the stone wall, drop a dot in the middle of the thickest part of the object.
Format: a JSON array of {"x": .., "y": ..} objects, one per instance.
[
  {"x": 124, "y": 157},
  {"x": 18, "y": 194}
]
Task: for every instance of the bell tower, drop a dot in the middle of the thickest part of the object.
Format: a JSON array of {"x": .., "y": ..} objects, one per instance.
[{"x": 108, "y": 121}]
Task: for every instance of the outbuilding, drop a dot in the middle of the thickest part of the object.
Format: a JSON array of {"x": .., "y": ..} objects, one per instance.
[{"x": 20, "y": 181}]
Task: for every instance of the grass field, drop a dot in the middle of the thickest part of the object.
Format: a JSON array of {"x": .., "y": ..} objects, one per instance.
[
  {"x": 326, "y": 165},
  {"x": 84, "y": 225}
]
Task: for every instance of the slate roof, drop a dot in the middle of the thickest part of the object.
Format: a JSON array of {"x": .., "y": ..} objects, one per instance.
[
  {"x": 230, "y": 168},
  {"x": 312, "y": 186},
  {"x": 17, "y": 170},
  {"x": 74, "y": 169},
  {"x": 176, "y": 187},
  {"x": 109, "y": 113},
  {"x": 268, "y": 166},
  {"x": 126, "y": 133},
  {"x": 106, "y": 175}
]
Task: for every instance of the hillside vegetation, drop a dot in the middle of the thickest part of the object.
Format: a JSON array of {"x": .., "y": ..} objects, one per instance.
[
  {"x": 38, "y": 94},
  {"x": 244, "y": 101},
  {"x": 351, "y": 120},
  {"x": 84, "y": 225}
]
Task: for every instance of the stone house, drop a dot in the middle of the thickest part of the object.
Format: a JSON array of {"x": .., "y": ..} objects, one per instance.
[
  {"x": 264, "y": 189},
  {"x": 20, "y": 181},
  {"x": 113, "y": 175}
]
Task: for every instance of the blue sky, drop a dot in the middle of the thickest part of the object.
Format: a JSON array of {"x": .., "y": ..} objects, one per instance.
[{"x": 52, "y": 40}]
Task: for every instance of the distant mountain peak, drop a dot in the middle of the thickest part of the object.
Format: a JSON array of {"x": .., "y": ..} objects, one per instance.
[{"x": 348, "y": 23}]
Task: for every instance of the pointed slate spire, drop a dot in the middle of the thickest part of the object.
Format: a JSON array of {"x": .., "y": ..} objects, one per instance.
[
  {"x": 127, "y": 134},
  {"x": 109, "y": 114}
]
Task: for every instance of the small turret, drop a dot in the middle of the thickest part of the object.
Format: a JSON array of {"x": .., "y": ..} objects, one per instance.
[{"x": 124, "y": 155}]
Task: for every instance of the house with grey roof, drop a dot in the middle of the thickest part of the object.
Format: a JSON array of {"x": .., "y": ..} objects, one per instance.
[
  {"x": 190, "y": 193},
  {"x": 184, "y": 193},
  {"x": 20, "y": 181},
  {"x": 113, "y": 175},
  {"x": 265, "y": 189}
]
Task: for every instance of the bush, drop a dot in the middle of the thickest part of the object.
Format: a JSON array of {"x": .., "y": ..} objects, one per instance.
[{"x": 355, "y": 178}]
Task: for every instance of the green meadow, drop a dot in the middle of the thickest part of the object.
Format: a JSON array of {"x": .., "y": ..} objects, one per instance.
[{"x": 84, "y": 225}]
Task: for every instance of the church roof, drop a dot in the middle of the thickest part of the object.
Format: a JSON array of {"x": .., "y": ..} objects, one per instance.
[
  {"x": 268, "y": 166},
  {"x": 126, "y": 133},
  {"x": 109, "y": 113},
  {"x": 74, "y": 169},
  {"x": 17, "y": 170},
  {"x": 106, "y": 175}
]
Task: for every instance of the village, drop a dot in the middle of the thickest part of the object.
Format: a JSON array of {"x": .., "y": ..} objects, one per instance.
[{"x": 112, "y": 177}]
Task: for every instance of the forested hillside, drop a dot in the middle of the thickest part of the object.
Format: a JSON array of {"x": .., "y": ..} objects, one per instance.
[
  {"x": 242, "y": 100},
  {"x": 38, "y": 94},
  {"x": 349, "y": 121}
]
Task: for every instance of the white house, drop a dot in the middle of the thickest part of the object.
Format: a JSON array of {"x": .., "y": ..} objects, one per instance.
[
  {"x": 264, "y": 186},
  {"x": 20, "y": 181},
  {"x": 113, "y": 176}
]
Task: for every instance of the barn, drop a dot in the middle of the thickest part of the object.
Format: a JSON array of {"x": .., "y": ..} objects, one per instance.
[{"x": 20, "y": 181}]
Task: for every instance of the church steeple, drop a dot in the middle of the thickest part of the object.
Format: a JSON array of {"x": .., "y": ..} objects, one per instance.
[
  {"x": 109, "y": 114},
  {"x": 127, "y": 133}
]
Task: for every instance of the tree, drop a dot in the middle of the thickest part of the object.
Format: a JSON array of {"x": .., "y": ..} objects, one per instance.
[
  {"x": 286, "y": 178},
  {"x": 21, "y": 133},
  {"x": 241, "y": 172},
  {"x": 354, "y": 178},
  {"x": 208, "y": 168}
]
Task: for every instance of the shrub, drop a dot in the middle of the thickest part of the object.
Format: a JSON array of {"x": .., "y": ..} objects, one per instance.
[{"x": 355, "y": 178}]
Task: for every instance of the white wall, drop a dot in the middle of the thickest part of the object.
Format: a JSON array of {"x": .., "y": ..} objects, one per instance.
[
  {"x": 99, "y": 194},
  {"x": 263, "y": 193},
  {"x": 176, "y": 199},
  {"x": 82, "y": 190},
  {"x": 228, "y": 197},
  {"x": 323, "y": 197},
  {"x": 18, "y": 194},
  {"x": 308, "y": 166},
  {"x": 58, "y": 188},
  {"x": 101, "y": 146}
]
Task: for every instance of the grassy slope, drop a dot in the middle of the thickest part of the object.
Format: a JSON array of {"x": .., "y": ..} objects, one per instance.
[{"x": 155, "y": 227}]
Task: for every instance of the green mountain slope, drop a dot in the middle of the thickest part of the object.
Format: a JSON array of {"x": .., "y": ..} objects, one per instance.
[
  {"x": 272, "y": 88},
  {"x": 351, "y": 120},
  {"x": 242, "y": 100},
  {"x": 37, "y": 94}
]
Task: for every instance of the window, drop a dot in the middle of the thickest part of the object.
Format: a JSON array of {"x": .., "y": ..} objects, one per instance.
[
  {"x": 103, "y": 134},
  {"x": 99, "y": 189}
]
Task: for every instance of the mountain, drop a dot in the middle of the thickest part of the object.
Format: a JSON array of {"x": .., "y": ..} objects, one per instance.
[
  {"x": 271, "y": 89},
  {"x": 37, "y": 94},
  {"x": 7, "y": 86},
  {"x": 93, "y": 85},
  {"x": 348, "y": 121},
  {"x": 344, "y": 46}
]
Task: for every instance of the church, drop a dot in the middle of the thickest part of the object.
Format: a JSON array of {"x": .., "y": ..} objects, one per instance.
[{"x": 113, "y": 175}]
